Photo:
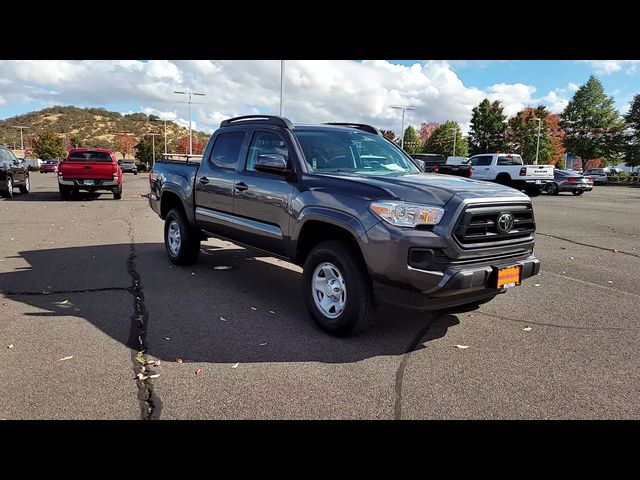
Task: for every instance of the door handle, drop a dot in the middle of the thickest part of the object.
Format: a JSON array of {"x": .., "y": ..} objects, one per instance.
[
  {"x": 204, "y": 180},
  {"x": 241, "y": 187}
]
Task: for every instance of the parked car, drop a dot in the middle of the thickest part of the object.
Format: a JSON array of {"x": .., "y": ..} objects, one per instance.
[
  {"x": 49, "y": 166},
  {"x": 128, "y": 165},
  {"x": 364, "y": 230},
  {"x": 569, "y": 181},
  {"x": 434, "y": 163},
  {"x": 90, "y": 169},
  {"x": 13, "y": 173},
  {"x": 509, "y": 169},
  {"x": 598, "y": 175}
]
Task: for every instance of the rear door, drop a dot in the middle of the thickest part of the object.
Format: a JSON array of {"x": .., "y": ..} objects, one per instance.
[
  {"x": 262, "y": 199},
  {"x": 89, "y": 165},
  {"x": 481, "y": 167},
  {"x": 215, "y": 181}
]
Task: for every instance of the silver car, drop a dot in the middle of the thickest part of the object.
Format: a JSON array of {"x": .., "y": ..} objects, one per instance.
[
  {"x": 598, "y": 175},
  {"x": 569, "y": 181}
]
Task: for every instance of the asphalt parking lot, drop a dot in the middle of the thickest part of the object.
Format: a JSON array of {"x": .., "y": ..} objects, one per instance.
[{"x": 85, "y": 282}]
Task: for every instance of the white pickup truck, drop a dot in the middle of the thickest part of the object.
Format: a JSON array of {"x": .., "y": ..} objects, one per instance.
[{"x": 509, "y": 169}]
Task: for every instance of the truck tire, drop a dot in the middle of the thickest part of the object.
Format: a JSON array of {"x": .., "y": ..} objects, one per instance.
[
  {"x": 578, "y": 192},
  {"x": 8, "y": 193},
  {"x": 337, "y": 266},
  {"x": 504, "y": 179},
  {"x": 65, "y": 192},
  {"x": 27, "y": 185},
  {"x": 117, "y": 194},
  {"x": 533, "y": 191},
  {"x": 181, "y": 240}
]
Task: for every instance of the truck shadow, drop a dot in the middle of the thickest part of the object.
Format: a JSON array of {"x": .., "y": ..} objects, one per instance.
[{"x": 251, "y": 312}]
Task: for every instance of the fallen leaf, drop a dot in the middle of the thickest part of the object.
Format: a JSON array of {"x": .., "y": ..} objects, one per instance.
[
  {"x": 179, "y": 360},
  {"x": 10, "y": 346},
  {"x": 271, "y": 312},
  {"x": 140, "y": 358},
  {"x": 222, "y": 267},
  {"x": 235, "y": 365},
  {"x": 526, "y": 329},
  {"x": 65, "y": 358},
  {"x": 167, "y": 338},
  {"x": 254, "y": 308},
  {"x": 615, "y": 250},
  {"x": 563, "y": 272},
  {"x": 193, "y": 273},
  {"x": 155, "y": 375},
  {"x": 462, "y": 346},
  {"x": 609, "y": 281},
  {"x": 222, "y": 319},
  {"x": 536, "y": 285},
  {"x": 199, "y": 372},
  {"x": 263, "y": 344},
  {"x": 142, "y": 377},
  {"x": 571, "y": 258}
]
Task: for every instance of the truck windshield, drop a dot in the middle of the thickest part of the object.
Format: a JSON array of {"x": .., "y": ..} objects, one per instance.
[
  {"x": 352, "y": 151},
  {"x": 90, "y": 157}
]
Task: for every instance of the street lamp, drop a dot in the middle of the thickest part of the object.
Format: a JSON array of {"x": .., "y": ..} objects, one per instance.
[
  {"x": 153, "y": 147},
  {"x": 281, "y": 87},
  {"x": 165, "y": 132},
  {"x": 455, "y": 136},
  {"x": 190, "y": 93},
  {"x": 404, "y": 109},
  {"x": 21, "y": 139},
  {"x": 538, "y": 142}
]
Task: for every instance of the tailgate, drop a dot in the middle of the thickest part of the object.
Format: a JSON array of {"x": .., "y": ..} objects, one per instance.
[
  {"x": 540, "y": 172},
  {"x": 89, "y": 170}
]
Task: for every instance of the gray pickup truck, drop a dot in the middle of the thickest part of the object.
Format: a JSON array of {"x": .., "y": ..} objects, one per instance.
[{"x": 354, "y": 211}]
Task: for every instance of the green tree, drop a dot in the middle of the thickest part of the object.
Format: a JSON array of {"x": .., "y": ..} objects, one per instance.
[
  {"x": 592, "y": 125},
  {"x": 441, "y": 140},
  {"x": 523, "y": 135},
  {"x": 632, "y": 150},
  {"x": 411, "y": 140},
  {"x": 144, "y": 150},
  {"x": 487, "y": 134},
  {"x": 48, "y": 145}
]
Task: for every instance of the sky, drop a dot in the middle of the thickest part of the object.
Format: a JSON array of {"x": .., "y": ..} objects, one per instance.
[{"x": 315, "y": 90}]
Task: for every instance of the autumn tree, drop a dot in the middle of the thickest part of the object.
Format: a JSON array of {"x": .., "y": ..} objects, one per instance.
[
  {"x": 196, "y": 146},
  {"x": 593, "y": 127},
  {"x": 442, "y": 139},
  {"x": 426, "y": 129},
  {"x": 556, "y": 137},
  {"x": 487, "y": 132},
  {"x": 632, "y": 147},
  {"x": 389, "y": 135},
  {"x": 522, "y": 134},
  {"x": 411, "y": 141},
  {"x": 48, "y": 145},
  {"x": 124, "y": 144}
]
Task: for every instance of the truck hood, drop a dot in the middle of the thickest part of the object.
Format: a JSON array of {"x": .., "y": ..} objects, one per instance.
[{"x": 433, "y": 189}]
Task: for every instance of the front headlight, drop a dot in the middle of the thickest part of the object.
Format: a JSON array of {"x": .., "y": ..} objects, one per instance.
[{"x": 402, "y": 214}]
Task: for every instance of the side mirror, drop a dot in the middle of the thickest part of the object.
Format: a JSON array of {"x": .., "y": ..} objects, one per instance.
[
  {"x": 420, "y": 164},
  {"x": 271, "y": 163}
]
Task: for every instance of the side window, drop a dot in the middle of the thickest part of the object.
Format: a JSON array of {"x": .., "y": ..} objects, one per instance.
[
  {"x": 483, "y": 160},
  {"x": 265, "y": 143},
  {"x": 10, "y": 156},
  {"x": 3, "y": 155},
  {"x": 226, "y": 150}
]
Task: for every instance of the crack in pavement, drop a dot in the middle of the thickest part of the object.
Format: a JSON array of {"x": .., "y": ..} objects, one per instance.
[
  {"x": 604, "y": 287},
  {"x": 150, "y": 404},
  {"x": 55, "y": 292},
  {"x": 570, "y": 327},
  {"x": 403, "y": 364},
  {"x": 614, "y": 250}
]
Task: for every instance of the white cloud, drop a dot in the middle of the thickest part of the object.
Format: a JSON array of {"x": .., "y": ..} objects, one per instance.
[
  {"x": 607, "y": 67},
  {"x": 316, "y": 91},
  {"x": 3, "y": 101}
]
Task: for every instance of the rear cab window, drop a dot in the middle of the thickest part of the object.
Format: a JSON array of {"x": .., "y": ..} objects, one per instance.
[
  {"x": 89, "y": 157},
  {"x": 510, "y": 160}
]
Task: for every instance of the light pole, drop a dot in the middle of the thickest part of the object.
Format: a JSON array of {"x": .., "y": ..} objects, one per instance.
[
  {"x": 404, "y": 109},
  {"x": 281, "y": 87},
  {"x": 455, "y": 137},
  {"x": 21, "y": 139},
  {"x": 165, "y": 132},
  {"x": 153, "y": 147},
  {"x": 190, "y": 93},
  {"x": 538, "y": 142}
]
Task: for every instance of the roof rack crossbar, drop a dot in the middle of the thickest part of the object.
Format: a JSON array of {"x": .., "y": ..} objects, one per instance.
[
  {"x": 268, "y": 119},
  {"x": 360, "y": 126}
]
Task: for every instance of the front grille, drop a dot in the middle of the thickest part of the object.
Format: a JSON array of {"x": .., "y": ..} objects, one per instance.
[{"x": 477, "y": 227}]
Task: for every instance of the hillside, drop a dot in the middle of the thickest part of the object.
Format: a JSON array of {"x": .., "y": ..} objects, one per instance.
[{"x": 95, "y": 127}]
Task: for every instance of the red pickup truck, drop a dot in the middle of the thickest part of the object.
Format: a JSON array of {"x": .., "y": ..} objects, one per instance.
[{"x": 89, "y": 169}]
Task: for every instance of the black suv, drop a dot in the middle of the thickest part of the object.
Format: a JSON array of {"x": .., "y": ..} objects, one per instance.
[
  {"x": 353, "y": 210},
  {"x": 13, "y": 173}
]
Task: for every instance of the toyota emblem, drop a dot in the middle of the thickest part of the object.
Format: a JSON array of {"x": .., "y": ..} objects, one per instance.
[{"x": 505, "y": 222}]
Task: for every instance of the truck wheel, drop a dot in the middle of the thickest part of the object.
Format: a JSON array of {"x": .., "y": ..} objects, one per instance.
[
  {"x": 117, "y": 194},
  {"x": 337, "y": 288},
  {"x": 504, "y": 179},
  {"x": 8, "y": 193},
  {"x": 180, "y": 239},
  {"x": 27, "y": 185},
  {"x": 65, "y": 192},
  {"x": 533, "y": 191}
]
